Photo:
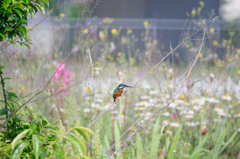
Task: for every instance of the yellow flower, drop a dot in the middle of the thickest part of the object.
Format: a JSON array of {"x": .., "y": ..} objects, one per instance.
[
  {"x": 108, "y": 56},
  {"x": 211, "y": 30},
  {"x": 62, "y": 15},
  {"x": 200, "y": 54},
  {"x": 123, "y": 40},
  {"x": 201, "y": 3},
  {"x": 193, "y": 12},
  {"x": 227, "y": 95},
  {"x": 21, "y": 75},
  {"x": 114, "y": 31},
  {"x": 199, "y": 9},
  {"x": 182, "y": 96},
  {"x": 222, "y": 63},
  {"x": 129, "y": 31},
  {"x": 104, "y": 20},
  {"x": 239, "y": 72},
  {"x": 145, "y": 23},
  {"x": 187, "y": 46},
  {"x": 49, "y": 94},
  {"x": 85, "y": 31},
  {"x": 229, "y": 59},
  {"x": 165, "y": 69},
  {"x": 88, "y": 88},
  {"x": 215, "y": 42},
  {"x": 150, "y": 72},
  {"x": 236, "y": 56},
  {"x": 132, "y": 61},
  {"x": 22, "y": 88},
  {"x": 101, "y": 35},
  {"x": 119, "y": 54},
  {"x": 104, "y": 87}
]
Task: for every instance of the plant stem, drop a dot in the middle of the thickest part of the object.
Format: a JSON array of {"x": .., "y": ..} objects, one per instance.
[{"x": 4, "y": 93}]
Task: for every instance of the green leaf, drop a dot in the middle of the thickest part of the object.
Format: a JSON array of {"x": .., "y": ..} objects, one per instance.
[
  {"x": 24, "y": 30},
  {"x": 14, "y": 44},
  {"x": 57, "y": 149},
  {"x": 155, "y": 139},
  {"x": 27, "y": 45},
  {"x": 195, "y": 153},
  {"x": 2, "y": 111},
  {"x": 77, "y": 144},
  {"x": 41, "y": 8},
  {"x": 19, "y": 137},
  {"x": 219, "y": 143},
  {"x": 3, "y": 36},
  {"x": 36, "y": 145},
  {"x": 171, "y": 154},
  {"x": 46, "y": 1},
  {"x": 7, "y": 78},
  {"x": 18, "y": 12},
  {"x": 117, "y": 136},
  {"x": 18, "y": 150},
  {"x": 28, "y": 27},
  {"x": 43, "y": 154},
  {"x": 228, "y": 142},
  {"x": 84, "y": 132},
  {"x": 13, "y": 2},
  {"x": 8, "y": 28},
  {"x": 10, "y": 37},
  {"x": 139, "y": 146},
  {"x": 12, "y": 94}
]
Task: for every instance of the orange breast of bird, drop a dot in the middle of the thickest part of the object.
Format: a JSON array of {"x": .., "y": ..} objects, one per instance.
[{"x": 118, "y": 93}]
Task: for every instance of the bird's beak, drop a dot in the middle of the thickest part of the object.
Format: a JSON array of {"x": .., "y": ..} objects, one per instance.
[{"x": 128, "y": 86}]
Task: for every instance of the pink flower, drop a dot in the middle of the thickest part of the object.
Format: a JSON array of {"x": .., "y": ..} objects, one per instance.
[
  {"x": 66, "y": 74},
  {"x": 174, "y": 115},
  {"x": 66, "y": 94},
  {"x": 66, "y": 81}
]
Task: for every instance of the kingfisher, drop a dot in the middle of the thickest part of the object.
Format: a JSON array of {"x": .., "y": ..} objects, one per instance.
[{"x": 119, "y": 90}]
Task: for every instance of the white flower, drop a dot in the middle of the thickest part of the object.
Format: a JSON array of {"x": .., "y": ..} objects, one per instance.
[
  {"x": 189, "y": 116},
  {"x": 112, "y": 48},
  {"x": 61, "y": 110},
  {"x": 153, "y": 92},
  {"x": 166, "y": 114},
  {"x": 173, "y": 104},
  {"x": 174, "y": 124},
  {"x": 86, "y": 110},
  {"x": 227, "y": 97},
  {"x": 145, "y": 97},
  {"x": 212, "y": 100}
]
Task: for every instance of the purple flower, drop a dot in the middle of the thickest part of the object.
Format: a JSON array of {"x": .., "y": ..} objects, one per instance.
[
  {"x": 91, "y": 30},
  {"x": 140, "y": 74},
  {"x": 99, "y": 24},
  {"x": 87, "y": 22},
  {"x": 10, "y": 67},
  {"x": 78, "y": 25}
]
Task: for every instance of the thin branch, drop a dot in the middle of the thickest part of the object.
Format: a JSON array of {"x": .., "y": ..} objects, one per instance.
[
  {"x": 156, "y": 112},
  {"x": 4, "y": 93}
]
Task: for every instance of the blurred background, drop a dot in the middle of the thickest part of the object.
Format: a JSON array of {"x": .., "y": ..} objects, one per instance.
[{"x": 110, "y": 42}]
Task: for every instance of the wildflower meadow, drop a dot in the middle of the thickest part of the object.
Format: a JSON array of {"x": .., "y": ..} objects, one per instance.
[{"x": 183, "y": 101}]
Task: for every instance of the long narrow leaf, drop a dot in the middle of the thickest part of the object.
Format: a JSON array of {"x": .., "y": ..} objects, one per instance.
[
  {"x": 219, "y": 143},
  {"x": 19, "y": 137},
  {"x": 171, "y": 154},
  {"x": 36, "y": 145}
]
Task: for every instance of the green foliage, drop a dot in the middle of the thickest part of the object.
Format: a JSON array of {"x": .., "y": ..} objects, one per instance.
[
  {"x": 14, "y": 19},
  {"x": 28, "y": 134}
]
